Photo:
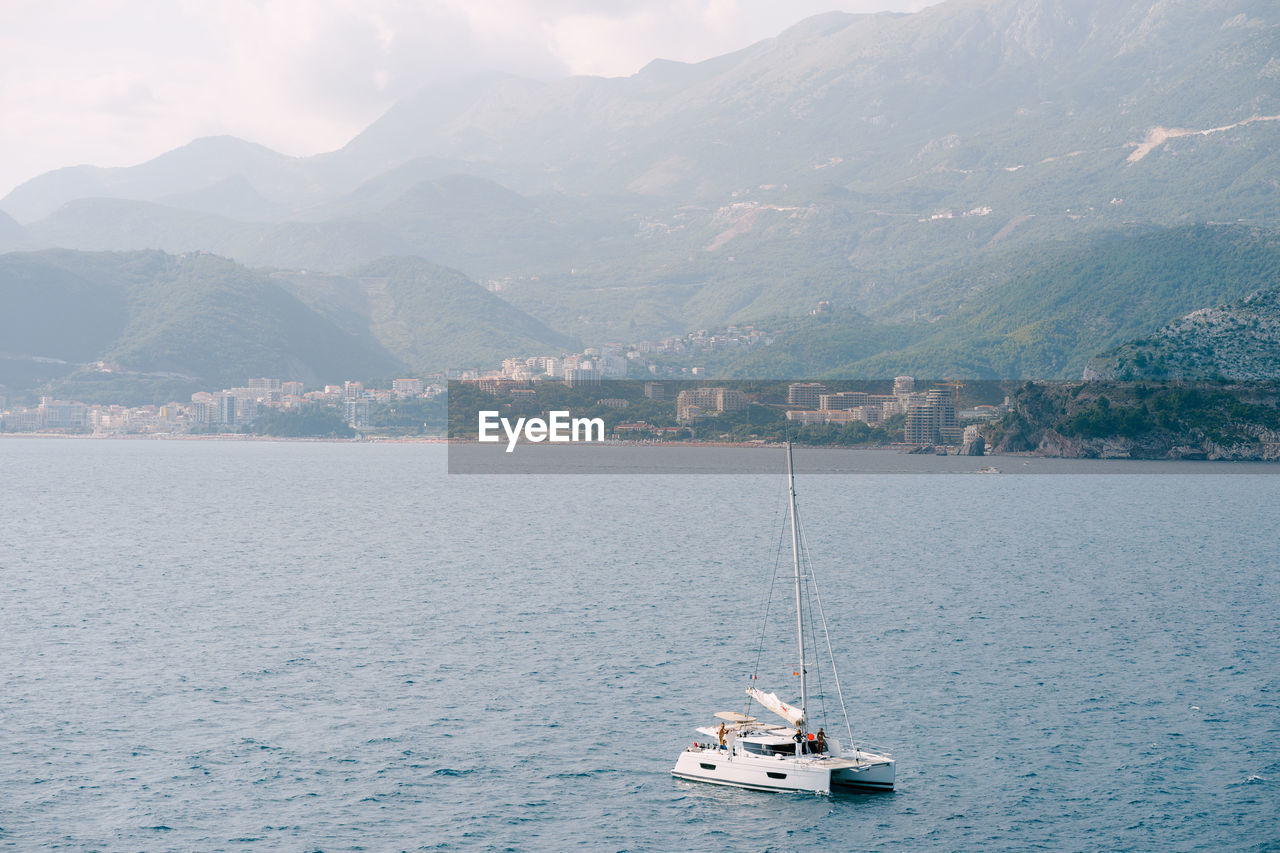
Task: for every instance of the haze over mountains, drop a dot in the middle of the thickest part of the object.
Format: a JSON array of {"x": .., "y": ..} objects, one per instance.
[
  {"x": 903, "y": 166},
  {"x": 130, "y": 326}
]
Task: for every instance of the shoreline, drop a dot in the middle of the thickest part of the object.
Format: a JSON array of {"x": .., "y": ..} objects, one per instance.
[
  {"x": 897, "y": 449},
  {"x": 228, "y": 437}
]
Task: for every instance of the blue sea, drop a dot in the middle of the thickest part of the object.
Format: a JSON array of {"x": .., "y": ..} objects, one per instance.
[{"x": 212, "y": 645}]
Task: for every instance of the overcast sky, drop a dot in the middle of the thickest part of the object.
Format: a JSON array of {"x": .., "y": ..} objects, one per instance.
[{"x": 116, "y": 82}]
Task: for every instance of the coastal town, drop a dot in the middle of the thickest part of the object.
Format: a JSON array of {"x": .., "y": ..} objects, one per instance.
[
  {"x": 231, "y": 408},
  {"x": 665, "y": 369},
  {"x": 925, "y": 418},
  {"x": 211, "y": 411},
  {"x": 738, "y": 410},
  {"x": 662, "y": 368}
]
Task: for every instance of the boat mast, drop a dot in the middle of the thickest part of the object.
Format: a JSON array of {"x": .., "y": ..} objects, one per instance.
[{"x": 795, "y": 561}]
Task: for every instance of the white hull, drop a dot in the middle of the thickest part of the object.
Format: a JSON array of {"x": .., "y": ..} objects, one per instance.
[
  {"x": 875, "y": 773},
  {"x": 811, "y": 773}
]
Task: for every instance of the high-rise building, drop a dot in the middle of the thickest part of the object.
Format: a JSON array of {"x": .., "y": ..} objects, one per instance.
[
  {"x": 544, "y": 364},
  {"x": 806, "y": 395},
  {"x": 357, "y": 412},
  {"x": 225, "y": 408},
  {"x": 694, "y": 403},
  {"x": 581, "y": 377},
  {"x": 932, "y": 420},
  {"x": 612, "y": 366},
  {"x": 59, "y": 415},
  {"x": 264, "y": 386},
  {"x": 843, "y": 400}
]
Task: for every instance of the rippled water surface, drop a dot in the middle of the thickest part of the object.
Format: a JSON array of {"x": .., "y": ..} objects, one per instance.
[{"x": 229, "y": 646}]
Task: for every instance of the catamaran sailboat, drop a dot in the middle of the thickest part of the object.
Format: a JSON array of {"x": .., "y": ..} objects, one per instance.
[{"x": 747, "y": 753}]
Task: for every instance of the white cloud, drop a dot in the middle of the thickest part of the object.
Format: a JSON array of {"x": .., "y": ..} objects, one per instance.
[{"x": 115, "y": 82}]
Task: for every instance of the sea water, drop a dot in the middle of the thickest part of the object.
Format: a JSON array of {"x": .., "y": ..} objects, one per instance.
[{"x": 309, "y": 646}]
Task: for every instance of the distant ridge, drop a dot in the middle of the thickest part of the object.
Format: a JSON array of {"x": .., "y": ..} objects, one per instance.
[
  {"x": 427, "y": 316},
  {"x": 195, "y": 167},
  {"x": 12, "y": 234},
  {"x": 152, "y": 327}
]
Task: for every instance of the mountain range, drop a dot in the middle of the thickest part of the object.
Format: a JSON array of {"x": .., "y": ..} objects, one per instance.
[
  {"x": 140, "y": 327},
  {"x": 927, "y": 171}
]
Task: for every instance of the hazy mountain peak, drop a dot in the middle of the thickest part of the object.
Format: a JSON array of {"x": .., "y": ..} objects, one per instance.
[
  {"x": 43, "y": 194},
  {"x": 667, "y": 71},
  {"x": 190, "y": 168},
  {"x": 411, "y": 126},
  {"x": 11, "y": 233},
  {"x": 827, "y": 24}
]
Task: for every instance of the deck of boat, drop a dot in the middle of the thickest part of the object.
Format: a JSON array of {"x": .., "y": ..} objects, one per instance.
[{"x": 836, "y": 763}]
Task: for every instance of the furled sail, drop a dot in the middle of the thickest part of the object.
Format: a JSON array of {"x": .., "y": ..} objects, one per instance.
[{"x": 794, "y": 716}]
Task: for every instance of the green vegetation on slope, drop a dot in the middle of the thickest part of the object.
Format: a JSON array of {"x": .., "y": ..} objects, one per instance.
[
  {"x": 432, "y": 317},
  {"x": 1240, "y": 341},
  {"x": 1143, "y": 420},
  {"x": 51, "y": 311},
  {"x": 310, "y": 421},
  {"x": 1040, "y": 312},
  {"x": 221, "y": 323},
  {"x": 143, "y": 327},
  {"x": 1050, "y": 318},
  {"x": 813, "y": 346},
  {"x": 140, "y": 327}
]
